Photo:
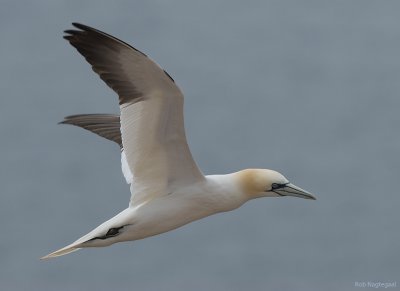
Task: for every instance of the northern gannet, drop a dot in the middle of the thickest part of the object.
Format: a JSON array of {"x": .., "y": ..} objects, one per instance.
[{"x": 168, "y": 190}]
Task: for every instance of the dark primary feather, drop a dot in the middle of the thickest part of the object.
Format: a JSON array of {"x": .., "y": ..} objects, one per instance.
[
  {"x": 104, "y": 125},
  {"x": 102, "y": 51},
  {"x": 108, "y": 56}
]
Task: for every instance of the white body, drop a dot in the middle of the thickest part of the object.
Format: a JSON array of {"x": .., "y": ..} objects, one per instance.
[{"x": 213, "y": 195}]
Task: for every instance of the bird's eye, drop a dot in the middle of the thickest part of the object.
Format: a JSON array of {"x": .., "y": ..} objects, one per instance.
[{"x": 275, "y": 186}]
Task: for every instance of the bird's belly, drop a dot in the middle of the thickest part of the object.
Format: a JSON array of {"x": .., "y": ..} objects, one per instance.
[{"x": 163, "y": 215}]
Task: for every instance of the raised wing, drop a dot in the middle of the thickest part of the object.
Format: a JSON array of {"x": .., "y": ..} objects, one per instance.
[
  {"x": 104, "y": 125},
  {"x": 152, "y": 127}
]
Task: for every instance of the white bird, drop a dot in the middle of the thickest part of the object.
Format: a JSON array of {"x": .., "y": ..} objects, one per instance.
[{"x": 167, "y": 188}]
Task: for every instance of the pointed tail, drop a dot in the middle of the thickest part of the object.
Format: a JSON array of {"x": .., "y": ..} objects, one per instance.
[{"x": 65, "y": 250}]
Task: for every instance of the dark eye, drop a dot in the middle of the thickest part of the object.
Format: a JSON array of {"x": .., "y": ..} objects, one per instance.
[{"x": 275, "y": 186}]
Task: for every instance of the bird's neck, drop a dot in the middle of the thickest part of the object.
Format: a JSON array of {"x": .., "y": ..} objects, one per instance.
[{"x": 227, "y": 189}]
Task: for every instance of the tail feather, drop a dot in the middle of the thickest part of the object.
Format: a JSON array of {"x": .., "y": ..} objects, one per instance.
[{"x": 64, "y": 251}]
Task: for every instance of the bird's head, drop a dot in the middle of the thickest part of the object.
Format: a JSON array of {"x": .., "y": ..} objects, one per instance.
[{"x": 268, "y": 183}]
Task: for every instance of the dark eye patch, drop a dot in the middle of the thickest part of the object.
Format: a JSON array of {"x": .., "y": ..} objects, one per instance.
[{"x": 275, "y": 186}]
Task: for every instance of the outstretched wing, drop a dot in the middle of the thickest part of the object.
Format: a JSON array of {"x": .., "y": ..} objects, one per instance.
[
  {"x": 104, "y": 125},
  {"x": 151, "y": 104}
]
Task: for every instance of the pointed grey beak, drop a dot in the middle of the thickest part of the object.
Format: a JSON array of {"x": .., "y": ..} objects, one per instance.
[{"x": 292, "y": 190}]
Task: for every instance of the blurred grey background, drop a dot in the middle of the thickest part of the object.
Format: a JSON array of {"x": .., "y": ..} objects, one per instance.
[{"x": 309, "y": 88}]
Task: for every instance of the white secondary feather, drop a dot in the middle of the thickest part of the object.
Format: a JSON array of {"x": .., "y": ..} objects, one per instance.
[
  {"x": 125, "y": 168},
  {"x": 155, "y": 146}
]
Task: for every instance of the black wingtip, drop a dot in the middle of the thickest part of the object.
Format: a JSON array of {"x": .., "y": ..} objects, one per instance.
[
  {"x": 67, "y": 119},
  {"x": 70, "y": 31},
  {"x": 81, "y": 26},
  {"x": 88, "y": 29}
]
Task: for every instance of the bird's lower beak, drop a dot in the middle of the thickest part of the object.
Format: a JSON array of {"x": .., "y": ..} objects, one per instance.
[{"x": 293, "y": 190}]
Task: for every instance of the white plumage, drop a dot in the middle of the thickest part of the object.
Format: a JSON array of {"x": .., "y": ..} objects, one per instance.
[
  {"x": 125, "y": 169},
  {"x": 167, "y": 188}
]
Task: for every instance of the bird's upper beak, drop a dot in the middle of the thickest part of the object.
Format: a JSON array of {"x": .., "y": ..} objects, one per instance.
[{"x": 293, "y": 190}]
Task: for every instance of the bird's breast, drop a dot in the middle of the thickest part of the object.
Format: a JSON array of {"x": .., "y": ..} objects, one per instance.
[{"x": 179, "y": 208}]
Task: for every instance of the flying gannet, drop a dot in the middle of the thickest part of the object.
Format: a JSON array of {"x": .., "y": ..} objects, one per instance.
[{"x": 168, "y": 190}]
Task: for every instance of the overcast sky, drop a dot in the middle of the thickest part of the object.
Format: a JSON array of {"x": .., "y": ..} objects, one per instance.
[{"x": 308, "y": 88}]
